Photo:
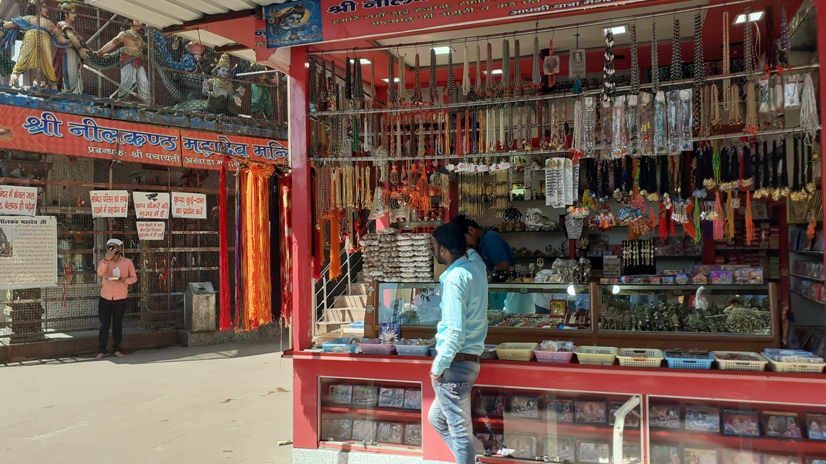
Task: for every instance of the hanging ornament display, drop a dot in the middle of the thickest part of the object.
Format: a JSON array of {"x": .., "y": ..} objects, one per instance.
[
  {"x": 655, "y": 62},
  {"x": 809, "y": 120},
  {"x": 660, "y": 124},
  {"x": 432, "y": 85},
  {"x": 699, "y": 70},
  {"x": 646, "y": 124},
  {"x": 505, "y": 82},
  {"x": 619, "y": 130},
  {"x": 451, "y": 82},
  {"x": 489, "y": 85},
  {"x": 726, "y": 64},
  {"x": 417, "y": 83},
  {"x": 676, "y": 54},
  {"x": 517, "y": 69},
  {"x": 550, "y": 65},
  {"x": 609, "y": 88},
  {"x": 466, "y": 87},
  {"x": 588, "y": 122},
  {"x": 576, "y": 66},
  {"x": 536, "y": 73},
  {"x": 391, "y": 80}
]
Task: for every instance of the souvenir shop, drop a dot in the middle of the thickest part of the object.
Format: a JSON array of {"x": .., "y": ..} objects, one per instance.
[{"x": 655, "y": 169}]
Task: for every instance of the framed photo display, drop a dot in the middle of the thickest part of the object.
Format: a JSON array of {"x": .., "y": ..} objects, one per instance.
[
  {"x": 591, "y": 412},
  {"x": 741, "y": 423},
  {"x": 702, "y": 419},
  {"x": 781, "y": 425}
]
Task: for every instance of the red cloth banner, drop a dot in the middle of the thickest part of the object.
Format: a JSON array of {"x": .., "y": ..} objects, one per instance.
[
  {"x": 67, "y": 134},
  {"x": 207, "y": 150}
]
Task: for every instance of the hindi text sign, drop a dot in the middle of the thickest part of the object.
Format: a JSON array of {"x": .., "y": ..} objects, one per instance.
[
  {"x": 17, "y": 201},
  {"x": 151, "y": 230},
  {"x": 151, "y": 205},
  {"x": 189, "y": 205},
  {"x": 109, "y": 203}
]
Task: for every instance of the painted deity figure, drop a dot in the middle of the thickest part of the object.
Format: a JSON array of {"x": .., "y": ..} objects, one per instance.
[
  {"x": 39, "y": 34},
  {"x": 219, "y": 89},
  {"x": 69, "y": 61},
  {"x": 262, "y": 104},
  {"x": 132, "y": 61}
]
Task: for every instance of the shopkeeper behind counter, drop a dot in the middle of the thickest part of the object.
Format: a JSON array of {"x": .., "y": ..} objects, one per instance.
[{"x": 497, "y": 255}]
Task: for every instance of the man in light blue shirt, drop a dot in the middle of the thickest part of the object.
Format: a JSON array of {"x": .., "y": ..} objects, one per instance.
[{"x": 460, "y": 339}]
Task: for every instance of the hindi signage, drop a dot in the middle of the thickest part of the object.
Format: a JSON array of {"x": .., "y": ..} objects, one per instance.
[
  {"x": 206, "y": 150},
  {"x": 151, "y": 230},
  {"x": 109, "y": 203},
  {"x": 151, "y": 205},
  {"x": 28, "y": 252},
  {"x": 17, "y": 201},
  {"x": 189, "y": 205}
]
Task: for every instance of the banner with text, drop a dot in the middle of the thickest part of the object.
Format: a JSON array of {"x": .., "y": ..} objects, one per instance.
[
  {"x": 17, "y": 201},
  {"x": 109, "y": 203},
  {"x": 350, "y": 19},
  {"x": 28, "y": 252},
  {"x": 151, "y": 205},
  {"x": 151, "y": 230},
  {"x": 206, "y": 150},
  {"x": 189, "y": 205},
  {"x": 68, "y": 134}
]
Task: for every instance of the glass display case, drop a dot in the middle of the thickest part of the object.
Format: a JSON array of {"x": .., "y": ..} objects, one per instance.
[
  {"x": 537, "y": 310},
  {"x": 373, "y": 413},
  {"x": 713, "y": 317},
  {"x": 703, "y": 431},
  {"x": 556, "y": 426}
]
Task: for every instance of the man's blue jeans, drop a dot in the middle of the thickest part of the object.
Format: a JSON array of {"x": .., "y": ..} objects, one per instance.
[{"x": 450, "y": 413}]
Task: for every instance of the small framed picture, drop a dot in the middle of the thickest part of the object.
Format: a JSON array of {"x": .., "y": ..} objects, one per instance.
[
  {"x": 413, "y": 434},
  {"x": 559, "y": 410},
  {"x": 365, "y": 395},
  {"x": 490, "y": 406},
  {"x": 340, "y": 394},
  {"x": 816, "y": 426},
  {"x": 664, "y": 416},
  {"x": 364, "y": 430},
  {"x": 781, "y": 459},
  {"x": 413, "y": 399},
  {"x": 702, "y": 419},
  {"x": 523, "y": 446},
  {"x": 390, "y": 432},
  {"x": 391, "y": 397},
  {"x": 489, "y": 443},
  {"x": 525, "y": 406},
  {"x": 781, "y": 425},
  {"x": 665, "y": 454},
  {"x": 700, "y": 456},
  {"x": 632, "y": 419},
  {"x": 631, "y": 454},
  {"x": 731, "y": 456},
  {"x": 591, "y": 451},
  {"x": 561, "y": 449},
  {"x": 591, "y": 412},
  {"x": 740, "y": 423},
  {"x": 336, "y": 429}
]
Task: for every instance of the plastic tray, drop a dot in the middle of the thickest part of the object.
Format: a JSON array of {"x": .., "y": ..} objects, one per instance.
[
  {"x": 339, "y": 345},
  {"x": 599, "y": 355},
  {"x": 516, "y": 351},
  {"x": 689, "y": 363},
  {"x": 413, "y": 350},
  {"x": 808, "y": 368},
  {"x": 559, "y": 357},
  {"x": 640, "y": 357},
  {"x": 756, "y": 363},
  {"x": 373, "y": 346}
]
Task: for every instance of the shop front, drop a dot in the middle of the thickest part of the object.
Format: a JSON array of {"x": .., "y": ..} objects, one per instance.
[{"x": 659, "y": 195}]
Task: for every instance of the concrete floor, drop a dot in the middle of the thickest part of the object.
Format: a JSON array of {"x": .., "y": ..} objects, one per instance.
[{"x": 227, "y": 403}]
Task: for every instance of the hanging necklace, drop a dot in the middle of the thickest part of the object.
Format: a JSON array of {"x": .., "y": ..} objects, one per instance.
[
  {"x": 536, "y": 76},
  {"x": 432, "y": 86},
  {"x": 726, "y": 64},
  {"x": 348, "y": 80},
  {"x": 784, "y": 44},
  {"x": 504, "y": 83},
  {"x": 417, "y": 83},
  {"x": 587, "y": 121},
  {"x": 391, "y": 81},
  {"x": 517, "y": 69},
  {"x": 489, "y": 72},
  {"x": 451, "y": 82},
  {"x": 748, "y": 58},
  {"x": 477, "y": 85},
  {"x": 466, "y": 88},
  {"x": 676, "y": 54},
  {"x": 655, "y": 65},
  {"x": 699, "y": 71},
  {"x": 608, "y": 71},
  {"x": 632, "y": 122},
  {"x": 716, "y": 119}
]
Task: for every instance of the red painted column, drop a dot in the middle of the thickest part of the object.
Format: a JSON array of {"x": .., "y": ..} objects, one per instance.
[
  {"x": 821, "y": 58},
  {"x": 301, "y": 213}
]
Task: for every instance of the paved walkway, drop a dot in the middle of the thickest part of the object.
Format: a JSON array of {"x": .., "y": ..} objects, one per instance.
[{"x": 227, "y": 403}]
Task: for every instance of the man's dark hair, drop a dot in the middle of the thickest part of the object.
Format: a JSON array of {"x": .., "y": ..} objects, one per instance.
[
  {"x": 451, "y": 237},
  {"x": 463, "y": 222}
]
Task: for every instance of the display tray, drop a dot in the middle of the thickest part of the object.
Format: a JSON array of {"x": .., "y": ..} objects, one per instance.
[
  {"x": 596, "y": 355},
  {"x": 640, "y": 357},
  {"x": 739, "y": 361}
]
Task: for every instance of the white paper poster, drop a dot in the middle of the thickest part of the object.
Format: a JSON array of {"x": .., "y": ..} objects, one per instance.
[
  {"x": 28, "y": 252},
  {"x": 151, "y": 205},
  {"x": 109, "y": 203},
  {"x": 17, "y": 201},
  {"x": 189, "y": 205},
  {"x": 151, "y": 230}
]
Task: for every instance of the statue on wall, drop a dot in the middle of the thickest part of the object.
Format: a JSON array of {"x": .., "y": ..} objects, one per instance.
[
  {"x": 132, "y": 60},
  {"x": 219, "y": 89},
  {"x": 39, "y": 34},
  {"x": 69, "y": 61}
]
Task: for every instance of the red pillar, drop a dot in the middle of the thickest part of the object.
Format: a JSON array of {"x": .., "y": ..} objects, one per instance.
[
  {"x": 301, "y": 212},
  {"x": 821, "y": 58}
]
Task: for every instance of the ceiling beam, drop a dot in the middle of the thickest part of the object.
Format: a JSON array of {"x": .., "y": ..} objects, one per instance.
[
  {"x": 233, "y": 47},
  {"x": 208, "y": 19}
]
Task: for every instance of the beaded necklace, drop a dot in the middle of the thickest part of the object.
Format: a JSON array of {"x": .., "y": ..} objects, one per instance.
[
  {"x": 608, "y": 71},
  {"x": 726, "y": 64},
  {"x": 517, "y": 69},
  {"x": 655, "y": 65},
  {"x": 536, "y": 76},
  {"x": 432, "y": 87},
  {"x": 504, "y": 83},
  {"x": 451, "y": 82},
  {"x": 699, "y": 71},
  {"x": 466, "y": 88},
  {"x": 417, "y": 83},
  {"x": 391, "y": 81}
]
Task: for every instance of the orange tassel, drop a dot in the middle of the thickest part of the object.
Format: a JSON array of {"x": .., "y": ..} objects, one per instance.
[
  {"x": 812, "y": 229},
  {"x": 335, "y": 247},
  {"x": 256, "y": 247},
  {"x": 749, "y": 221},
  {"x": 688, "y": 227},
  {"x": 729, "y": 218}
]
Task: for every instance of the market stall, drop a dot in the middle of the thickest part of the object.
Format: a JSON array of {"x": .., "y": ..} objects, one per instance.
[{"x": 660, "y": 196}]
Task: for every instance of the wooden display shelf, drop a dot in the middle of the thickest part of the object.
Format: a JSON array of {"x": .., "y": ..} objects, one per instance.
[
  {"x": 530, "y": 425},
  {"x": 756, "y": 444},
  {"x": 813, "y": 279},
  {"x": 382, "y": 413}
]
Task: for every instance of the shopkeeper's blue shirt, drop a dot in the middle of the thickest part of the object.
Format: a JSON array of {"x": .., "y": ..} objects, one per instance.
[
  {"x": 494, "y": 249},
  {"x": 464, "y": 323}
]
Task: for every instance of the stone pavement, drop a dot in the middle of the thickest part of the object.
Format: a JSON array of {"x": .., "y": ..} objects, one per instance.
[{"x": 228, "y": 403}]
